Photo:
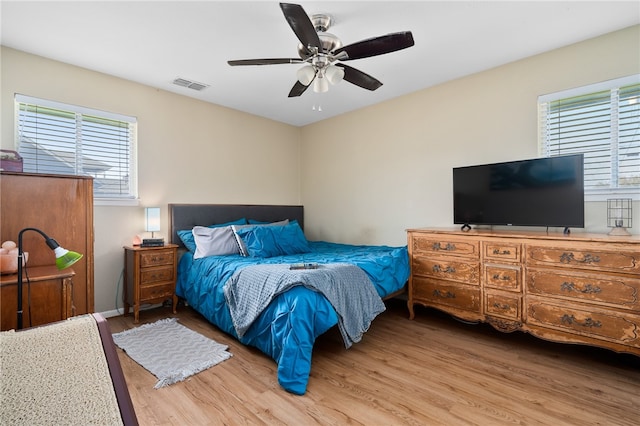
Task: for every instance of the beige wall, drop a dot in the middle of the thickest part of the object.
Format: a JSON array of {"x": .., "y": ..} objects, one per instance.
[
  {"x": 189, "y": 152},
  {"x": 363, "y": 177},
  {"x": 371, "y": 174}
]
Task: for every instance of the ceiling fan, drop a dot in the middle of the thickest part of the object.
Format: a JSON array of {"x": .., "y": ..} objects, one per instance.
[{"x": 321, "y": 51}]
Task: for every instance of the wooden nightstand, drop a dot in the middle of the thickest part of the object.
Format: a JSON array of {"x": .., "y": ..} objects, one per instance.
[{"x": 149, "y": 276}]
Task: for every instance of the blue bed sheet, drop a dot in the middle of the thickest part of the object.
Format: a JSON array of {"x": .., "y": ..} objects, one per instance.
[{"x": 287, "y": 329}]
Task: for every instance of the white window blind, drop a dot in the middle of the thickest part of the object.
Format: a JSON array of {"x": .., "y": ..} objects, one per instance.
[
  {"x": 602, "y": 122},
  {"x": 64, "y": 139}
]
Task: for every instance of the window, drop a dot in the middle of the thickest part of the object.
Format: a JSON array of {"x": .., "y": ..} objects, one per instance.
[
  {"x": 65, "y": 139},
  {"x": 602, "y": 121}
]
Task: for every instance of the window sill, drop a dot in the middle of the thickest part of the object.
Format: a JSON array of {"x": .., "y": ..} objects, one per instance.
[
  {"x": 124, "y": 202},
  {"x": 633, "y": 193}
]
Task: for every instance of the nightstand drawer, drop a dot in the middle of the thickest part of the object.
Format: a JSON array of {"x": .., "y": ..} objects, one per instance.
[
  {"x": 156, "y": 291},
  {"x": 153, "y": 275},
  {"x": 156, "y": 258}
]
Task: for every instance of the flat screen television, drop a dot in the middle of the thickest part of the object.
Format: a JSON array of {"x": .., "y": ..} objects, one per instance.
[{"x": 537, "y": 192}]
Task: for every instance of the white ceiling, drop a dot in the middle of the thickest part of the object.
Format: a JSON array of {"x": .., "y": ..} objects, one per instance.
[{"x": 153, "y": 42}]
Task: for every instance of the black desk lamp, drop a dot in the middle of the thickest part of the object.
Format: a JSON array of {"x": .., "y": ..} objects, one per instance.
[{"x": 64, "y": 259}]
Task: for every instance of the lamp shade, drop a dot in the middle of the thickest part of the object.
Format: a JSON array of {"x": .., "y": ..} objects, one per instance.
[
  {"x": 334, "y": 74},
  {"x": 320, "y": 85},
  {"x": 65, "y": 258},
  {"x": 152, "y": 219},
  {"x": 306, "y": 74}
]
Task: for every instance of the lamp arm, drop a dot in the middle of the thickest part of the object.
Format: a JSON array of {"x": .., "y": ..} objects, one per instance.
[{"x": 51, "y": 243}]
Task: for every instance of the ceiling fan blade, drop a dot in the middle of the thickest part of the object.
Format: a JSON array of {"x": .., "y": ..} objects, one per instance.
[
  {"x": 297, "y": 89},
  {"x": 359, "y": 78},
  {"x": 273, "y": 61},
  {"x": 377, "y": 45},
  {"x": 301, "y": 24}
]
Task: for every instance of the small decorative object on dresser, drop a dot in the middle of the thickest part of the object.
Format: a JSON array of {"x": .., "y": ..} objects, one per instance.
[
  {"x": 581, "y": 288},
  {"x": 619, "y": 216},
  {"x": 149, "y": 276}
]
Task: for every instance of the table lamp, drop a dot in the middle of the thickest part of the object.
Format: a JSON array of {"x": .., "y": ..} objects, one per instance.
[
  {"x": 152, "y": 219},
  {"x": 152, "y": 224},
  {"x": 64, "y": 259}
]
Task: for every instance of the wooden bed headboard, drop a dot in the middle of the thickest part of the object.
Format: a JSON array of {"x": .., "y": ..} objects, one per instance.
[{"x": 186, "y": 216}]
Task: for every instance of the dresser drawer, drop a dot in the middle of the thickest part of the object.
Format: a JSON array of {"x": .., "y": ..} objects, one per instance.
[
  {"x": 601, "y": 260},
  {"x": 149, "y": 292},
  {"x": 447, "y": 246},
  {"x": 156, "y": 258},
  {"x": 501, "y": 251},
  {"x": 502, "y": 277},
  {"x": 503, "y": 305},
  {"x": 618, "y": 291},
  {"x": 456, "y": 296},
  {"x": 447, "y": 268},
  {"x": 154, "y": 275},
  {"x": 601, "y": 324}
]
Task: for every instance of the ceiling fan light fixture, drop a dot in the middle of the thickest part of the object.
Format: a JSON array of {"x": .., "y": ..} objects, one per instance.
[
  {"x": 306, "y": 74},
  {"x": 334, "y": 74},
  {"x": 321, "y": 85}
]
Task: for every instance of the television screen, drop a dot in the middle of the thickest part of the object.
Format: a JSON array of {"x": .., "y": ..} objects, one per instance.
[{"x": 537, "y": 192}]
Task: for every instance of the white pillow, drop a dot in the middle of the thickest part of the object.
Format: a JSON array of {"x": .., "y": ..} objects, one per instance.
[{"x": 214, "y": 241}]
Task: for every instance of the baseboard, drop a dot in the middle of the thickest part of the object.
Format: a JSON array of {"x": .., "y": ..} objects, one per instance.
[{"x": 118, "y": 312}]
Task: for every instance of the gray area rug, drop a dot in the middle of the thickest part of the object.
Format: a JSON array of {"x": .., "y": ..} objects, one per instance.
[{"x": 170, "y": 351}]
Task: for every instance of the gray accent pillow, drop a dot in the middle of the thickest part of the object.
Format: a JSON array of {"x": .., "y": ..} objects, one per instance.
[{"x": 214, "y": 241}]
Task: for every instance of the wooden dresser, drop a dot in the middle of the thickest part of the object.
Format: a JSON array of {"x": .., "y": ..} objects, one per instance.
[
  {"x": 582, "y": 288},
  {"x": 61, "y": 206}
]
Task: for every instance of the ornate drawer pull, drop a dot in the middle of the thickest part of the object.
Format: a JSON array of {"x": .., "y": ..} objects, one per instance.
[
  {"x": 448, "y": 247},
  {"x": 444, "y": 295},
  {"x": 503, "y": 252},
  {"x": 570, "y": 257},
  {"x": 502, "y": 307},
  {"x": 502, "y": 277},
  {"x": 588, "y": 289},
  {"x": 589, "y": 322},
  {"x": 447, "y": 270}
]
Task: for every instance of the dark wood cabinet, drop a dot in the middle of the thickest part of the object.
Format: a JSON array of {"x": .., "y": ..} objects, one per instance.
[
  {"x": 49, "y": 299},
  {"x": 61, "y": 206}
]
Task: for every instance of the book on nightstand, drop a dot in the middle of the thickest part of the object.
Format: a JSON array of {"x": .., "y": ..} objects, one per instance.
[{"x": 152, "y": 242}]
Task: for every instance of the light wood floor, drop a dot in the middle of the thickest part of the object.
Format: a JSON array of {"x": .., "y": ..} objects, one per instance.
[{"x": 430, "y": 371}]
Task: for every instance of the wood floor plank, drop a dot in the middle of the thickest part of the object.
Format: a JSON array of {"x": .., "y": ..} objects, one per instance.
[{"x": 432, "y": 370}]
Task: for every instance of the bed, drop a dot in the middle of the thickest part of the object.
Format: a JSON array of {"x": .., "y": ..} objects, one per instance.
[
  {"x": 52, "y": 373},
  {"x": 304, "y": 303}
]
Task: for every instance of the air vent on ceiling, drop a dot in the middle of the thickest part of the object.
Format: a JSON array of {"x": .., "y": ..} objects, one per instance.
[{"x": 190, "y": 84}]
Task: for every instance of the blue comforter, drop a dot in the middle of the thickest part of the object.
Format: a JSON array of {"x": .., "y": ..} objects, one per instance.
[{"x": 286, "y": 330}]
